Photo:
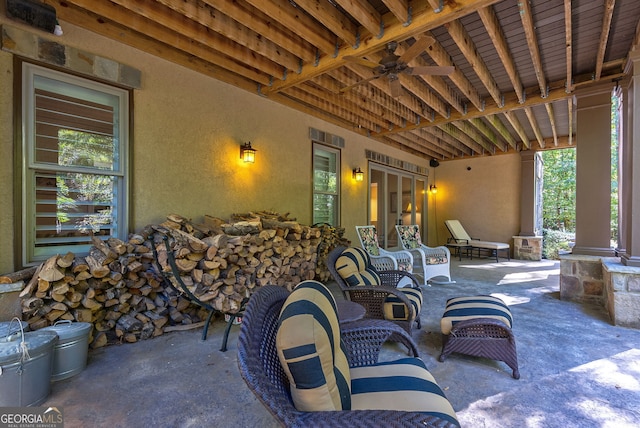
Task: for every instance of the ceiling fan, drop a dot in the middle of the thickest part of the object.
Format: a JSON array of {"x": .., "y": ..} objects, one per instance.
[{"x": 391, "y": 65}]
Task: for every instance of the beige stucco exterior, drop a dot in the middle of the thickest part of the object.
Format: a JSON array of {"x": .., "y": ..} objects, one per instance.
[{"x": 187, "y": 129}]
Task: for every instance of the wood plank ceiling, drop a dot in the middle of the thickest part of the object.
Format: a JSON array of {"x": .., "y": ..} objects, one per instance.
[{"x": 517, "y": 63}]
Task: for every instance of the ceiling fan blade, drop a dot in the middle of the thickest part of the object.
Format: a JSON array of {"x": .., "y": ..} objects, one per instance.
[
  {"x": 395, "y": 87},
  {"x": 416, "y": 49},
  {"x": 431, "y": 71},
  {"x": 361, "y": 61},
  {"x": 368, "y": 79}
]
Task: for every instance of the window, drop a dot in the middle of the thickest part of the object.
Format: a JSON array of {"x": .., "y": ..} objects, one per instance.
[
  {"x": 74, "y": 163},
  {"x": 326, "y": 185}
]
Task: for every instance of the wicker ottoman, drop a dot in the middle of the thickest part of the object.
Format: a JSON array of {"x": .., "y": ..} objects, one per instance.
[{"x": 479, "y": 326}]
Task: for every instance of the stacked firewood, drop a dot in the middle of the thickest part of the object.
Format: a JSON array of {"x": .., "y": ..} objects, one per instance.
[{"x": 129, "y": 291}]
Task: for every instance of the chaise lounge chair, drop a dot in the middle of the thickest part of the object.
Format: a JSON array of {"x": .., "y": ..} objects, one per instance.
[{"x": 460, "y": 236}]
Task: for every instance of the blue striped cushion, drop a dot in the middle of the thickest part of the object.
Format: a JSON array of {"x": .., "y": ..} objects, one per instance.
[
  {"x": 404, "y": 384},
  {"x": 470, "y": 307},
  {"x": 395, "y": 310},
  {"x": 354, "y": 266},
  {"x": 311, "y": 351}
]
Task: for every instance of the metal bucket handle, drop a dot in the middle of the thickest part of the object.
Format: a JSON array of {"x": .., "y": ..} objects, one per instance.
[
  {"x": 23, "y": 345},
  {"x": 62, "y": 322}
]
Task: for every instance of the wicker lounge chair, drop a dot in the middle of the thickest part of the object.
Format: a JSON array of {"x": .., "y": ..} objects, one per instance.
[
  {"x": 261, "y": 369},
  {"x": 429, "y": 262},
  {"x": 377, "y": 291},
  {"x": 383, "y": 259},
  {"x": 460, "y": 236}
]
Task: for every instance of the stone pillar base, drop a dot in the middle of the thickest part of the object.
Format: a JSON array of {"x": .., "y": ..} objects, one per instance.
[
  {"x": 622, "y": 293},
  {"x": 527, "y": 247},
  {"x": 581, "y": 279}
]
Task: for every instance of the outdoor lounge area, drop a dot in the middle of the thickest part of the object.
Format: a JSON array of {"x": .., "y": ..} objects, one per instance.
[{"x": 577, "y": 369}]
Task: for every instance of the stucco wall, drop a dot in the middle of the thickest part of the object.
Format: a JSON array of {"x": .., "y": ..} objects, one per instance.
[
  {"x": 485, "y": 198},
  {"x": 185, "y": 155}
]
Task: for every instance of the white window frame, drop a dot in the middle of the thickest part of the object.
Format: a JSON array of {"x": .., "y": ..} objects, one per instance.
[
  {"x": 85, "y": 89},
  {"x": 321, "y": 147}
]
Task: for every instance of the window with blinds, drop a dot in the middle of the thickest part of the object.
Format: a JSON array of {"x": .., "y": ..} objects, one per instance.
[
  {"x": 326, "y": 185},
  {"x": 75, "y": 142}
]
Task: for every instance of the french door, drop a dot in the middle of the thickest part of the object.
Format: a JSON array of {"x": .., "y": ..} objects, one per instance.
[{"x": 396, "y": 197}]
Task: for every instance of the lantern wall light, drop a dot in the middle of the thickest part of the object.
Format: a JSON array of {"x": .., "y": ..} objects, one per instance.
[
  {"x": 248, "y": 153},
  {"x": 433, "y": 189},
  {"x": 358, "y": 175}
]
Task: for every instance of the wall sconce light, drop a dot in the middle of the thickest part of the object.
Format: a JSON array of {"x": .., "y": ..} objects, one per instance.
[
  {"x": 433, "y": 189},
  {"x": 358, "y": 175},
  {"x": 248, "y": 153}
]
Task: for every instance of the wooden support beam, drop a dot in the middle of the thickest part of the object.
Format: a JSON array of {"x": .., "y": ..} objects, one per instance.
[
  {"x": 331, "y": 18},
  {"x": 468, "y": 49},
  {"x": 399, "y": 8},
  {"x": 445, "y": 150},
  {"x": 532, "y": 40},
  {"x": 364, "y": 13},
  {"x": 515, "y": 124},
  {"x": 422, "y": 92},
  {"x": 534, "y": 125},
  {"x": 491, "y": 23},
  {"x": 441, "y": 135},
  {"x": 474, "y": 135},
  {"x": 552, "y": 120},
  {"x": 604, "y": 35},
  {"x": 497, "y": 124},
  {"x": 569, "y": 43},
  {"x": 484, "y": 129}
]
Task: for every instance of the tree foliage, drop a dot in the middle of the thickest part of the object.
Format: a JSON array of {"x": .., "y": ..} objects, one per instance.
[{"x": 559, "y": 194}]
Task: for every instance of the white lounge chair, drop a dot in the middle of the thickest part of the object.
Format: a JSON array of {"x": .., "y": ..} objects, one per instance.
[
  {"x": 429, "y": 262},
  {"x": 460, "y": 236},
  {"x": 382, "y": 259}
]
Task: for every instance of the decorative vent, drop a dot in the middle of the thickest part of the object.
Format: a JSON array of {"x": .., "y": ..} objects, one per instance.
[
  {"x": 396, "y": 163},
  {"x": 326, "y": 138}
]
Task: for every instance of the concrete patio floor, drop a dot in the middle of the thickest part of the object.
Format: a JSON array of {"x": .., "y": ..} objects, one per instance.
[{"x": 577, "y": 369}]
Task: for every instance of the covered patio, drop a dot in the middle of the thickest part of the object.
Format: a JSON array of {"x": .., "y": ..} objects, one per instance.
[{"x": 577, "y": 368}]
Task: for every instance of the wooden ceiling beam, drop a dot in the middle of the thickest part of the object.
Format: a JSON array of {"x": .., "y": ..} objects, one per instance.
[
  {"x": 327, "y": 14},
  {"x": 552, "y": 120},
  {"x": 469, "y": 131},
  {"x": 125, "y": 12},
  {"x": 443, "y": 136},
  {"x": 419, "y": 144},
  {"x": 515, "y": 124},
  {"x": 604, "y": 35},
  {"x": 453, "y": 130},
  {"x": 569, "y": 43},
  {"x": 399, "y": 8},
  {"x": 266, "y": 27},
  {"x": 532, "y": 41},
  {"x": 494, "y": 30},
  {"x": 170, "y": 45},
  {"x": 423, "y": 19},
  {"x": 445, "y": 150},
  {"x": 497, "y": 124},
  {"x": 468, "y": 48},
  {"x": 364, "y": 13},
  {"x": 534, "y": 125},
  {"x": 221, "y": 24},
  {"x": 486, "y": 131},
  {"x": 298, "y": 21},
  {"x": 423, "y": 93}
]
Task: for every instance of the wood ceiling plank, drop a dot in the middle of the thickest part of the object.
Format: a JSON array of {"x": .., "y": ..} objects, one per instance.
[
  {"x": 168, "y": 19},
  {"x": 532, "y": 40},
  {"x": 468, "y": 49},
  {"x": 364, "y": 13},
  {"x": 455, "y": 132},
  {"x": 399, "y": 8},
  {"x": 445, "y": 150},
  {"x": 515, "y": 124},
  {"x": 298, "y": 21},
  {"x": 552, "y": 120},
  {"x": 604, "y": 35},
  {"x": 534, "y": 125},
  {"x": 330, "y": 17},
  {"x": 422, "y": 92},
  {"x": 474, "y": 135},
  {"x": 491, "y": 23},
  {"x": 497, "y": 124},
  {"x": 265, "y": 27},
  {"x": 440, "y": 135},
  {"x": 569, "y": 43},
  {"x": 419, "y": 144},
  {"x": 223, "y": 25}
]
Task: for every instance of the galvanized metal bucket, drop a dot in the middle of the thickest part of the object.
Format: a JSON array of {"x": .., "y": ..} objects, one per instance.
[
  {"x": 70, "y": 353},
  {"x": 26, "y": 360}
]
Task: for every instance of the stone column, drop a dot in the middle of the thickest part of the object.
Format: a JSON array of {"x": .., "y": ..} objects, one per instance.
[
  {"x": 630, "y": 174},
  {"x": 593, "y": 171}
]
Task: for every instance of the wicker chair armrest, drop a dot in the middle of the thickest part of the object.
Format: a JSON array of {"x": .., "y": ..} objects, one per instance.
[
  {"x": 436, "y": 251},
  {"x": 402, "y": 256},
  {"x": 391, "y": 278},
  {"x": 370, "y": 418},
  {"x": 482, "y": 328},
  {"x": 374, "y": 297},
  {"x": 364, "y": 339}
]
